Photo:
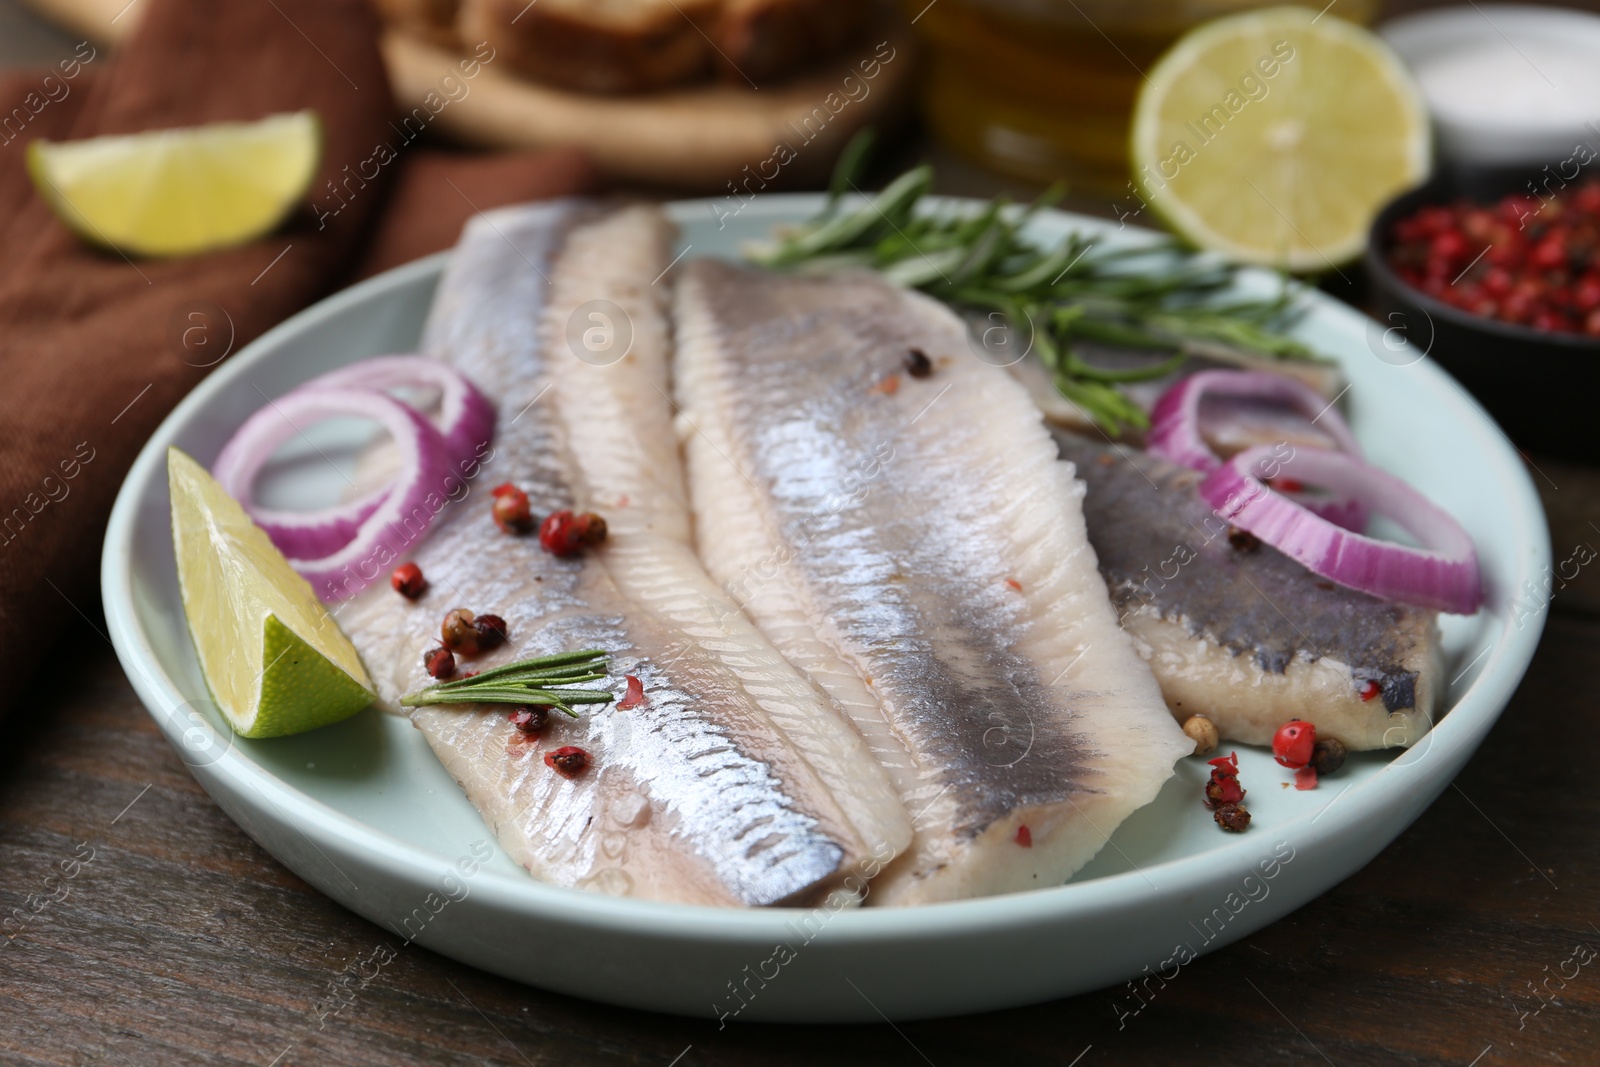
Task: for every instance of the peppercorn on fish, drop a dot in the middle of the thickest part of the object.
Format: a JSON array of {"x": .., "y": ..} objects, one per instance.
[
  {"x": 735, "y": 781},
  {"x": 899, "y": 527},
  {"x": 1237, "y": 631}
]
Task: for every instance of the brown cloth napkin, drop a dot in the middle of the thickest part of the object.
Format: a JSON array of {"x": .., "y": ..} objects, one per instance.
[{"x": 92, "y": 354}]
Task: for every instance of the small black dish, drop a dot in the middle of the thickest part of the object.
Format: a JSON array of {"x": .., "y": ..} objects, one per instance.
[{"x": 1542, "y": 386}]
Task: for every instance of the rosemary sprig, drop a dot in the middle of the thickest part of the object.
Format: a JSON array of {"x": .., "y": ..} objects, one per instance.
[
  {"x": 527, "y": 681},
  {"x": 1155, "y": 298}
]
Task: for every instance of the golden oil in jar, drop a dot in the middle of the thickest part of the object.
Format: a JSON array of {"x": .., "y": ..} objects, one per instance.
[{"x": 1044, "y": 89}]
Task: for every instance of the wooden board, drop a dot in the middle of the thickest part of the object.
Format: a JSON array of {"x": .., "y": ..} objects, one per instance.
[{"x": 695, "y": 139}]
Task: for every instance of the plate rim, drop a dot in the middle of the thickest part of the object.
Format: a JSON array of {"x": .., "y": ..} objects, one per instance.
[{"x": 1468, "y": 721}]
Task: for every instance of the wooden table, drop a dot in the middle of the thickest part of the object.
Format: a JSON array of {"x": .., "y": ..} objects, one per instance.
[
  {"x": 177, "y": 940},
  {"x": 180, "y": 941}
]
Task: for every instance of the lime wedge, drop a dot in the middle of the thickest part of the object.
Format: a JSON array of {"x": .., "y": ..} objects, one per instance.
[
  {"x": 179, "y": 192},
  {"x": 275, "y": 660},
  {"x": 1273, "y": 137}
]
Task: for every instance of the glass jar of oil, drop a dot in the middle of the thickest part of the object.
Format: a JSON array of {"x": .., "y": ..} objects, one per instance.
[{"x": 1044, "y": 89}]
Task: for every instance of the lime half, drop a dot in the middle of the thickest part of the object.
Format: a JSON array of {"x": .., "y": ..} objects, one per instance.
[
  {"x": 183, "y": 191},
  {"x": 275, "y": 660},
  {"x": 1273, "y": 137}
]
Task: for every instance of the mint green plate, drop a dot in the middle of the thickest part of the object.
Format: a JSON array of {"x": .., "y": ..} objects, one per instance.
[{"x": 364, "y": 812}]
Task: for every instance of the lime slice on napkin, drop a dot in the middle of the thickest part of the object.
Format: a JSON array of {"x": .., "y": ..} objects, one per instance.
[
  {"x": 275, "y": 660},
  {"x": 183, "y": 191},
  {"x": 1273, "y": 137}
]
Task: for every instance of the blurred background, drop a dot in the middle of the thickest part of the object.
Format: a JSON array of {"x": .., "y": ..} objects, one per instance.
[
  {"x": 1433, "y": 164},
  {"x": 1005, "y": 96}
]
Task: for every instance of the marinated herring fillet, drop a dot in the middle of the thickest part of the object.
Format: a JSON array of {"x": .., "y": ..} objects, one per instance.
[
  {"x": 696, "y": 795},
  {"x": 1244, "y": 635},
  {"x": 914, "y": 546},
  {"x": 632, "y": 471}
]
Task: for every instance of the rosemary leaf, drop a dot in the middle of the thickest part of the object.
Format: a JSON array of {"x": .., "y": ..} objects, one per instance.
[
  {"x": 1153, "y": 297},
  {"x": 528, "y": 681}
]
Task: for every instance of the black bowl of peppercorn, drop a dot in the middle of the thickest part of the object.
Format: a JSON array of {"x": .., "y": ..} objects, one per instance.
[{"x": 1495, "y": 274}]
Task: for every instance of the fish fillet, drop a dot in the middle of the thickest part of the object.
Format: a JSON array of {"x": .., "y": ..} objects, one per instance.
[
  {"x": 913, "y": 545},
  {"x": 1249, "y": 638},
  {"x": 699, "y": 795}
]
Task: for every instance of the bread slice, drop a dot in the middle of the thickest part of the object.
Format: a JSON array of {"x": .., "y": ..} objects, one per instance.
[
  {"x": 633, "y": 46},
  {"x": 431, "y": 20},
  {"x": 596, "y": 46},
  {"x": 766, "y": 40}
]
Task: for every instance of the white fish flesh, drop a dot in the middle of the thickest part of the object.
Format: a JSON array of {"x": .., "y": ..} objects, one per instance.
[
  {"x": 1244, "y": 635},
  {"x": 914, "y": 546},
  {"x": 705, "y": 793}
]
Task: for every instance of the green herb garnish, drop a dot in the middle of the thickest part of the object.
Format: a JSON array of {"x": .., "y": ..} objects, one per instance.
[
  {"x": 527, "y": 681},
  {"x": 1156, "y": 299}
]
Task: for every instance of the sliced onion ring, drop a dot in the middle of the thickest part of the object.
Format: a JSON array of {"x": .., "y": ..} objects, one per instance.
[
  {"x": 296, "y": 533},
  {"x": 465, "y": 421},
  {"x": 1443, "y": 575},
  {"x": 1175, "y": 432},
  {"x": 402, "y": 511},
  {"x": 466, "y": 417}
]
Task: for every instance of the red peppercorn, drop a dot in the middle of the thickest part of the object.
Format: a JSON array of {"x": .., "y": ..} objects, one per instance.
[
  {"x": 1370, "y": 691},
  {"x": 1024, "y": 837},
  {"x": 566, "y": 534},
  {"x": 590, "y": 529},
  {"x": 511, "y": 510},
  {"x": 1242, "y": 540},
  {"x": 1232, "y": 817},
  {"x": 633, "y": 697},
  {"x": 1449, "y": 245},
  {"x": 1525, "y": 260},
  {"x": 569, "y": 761},
  {"x": 531, "y": 719},
  {"x": 408, "y": 581},
  {"x": 1294, "y": 742},
  {"x": 1228, "y": 764},
  {"x": 460, "y": 632},
  {"x": 555, "y": 534},
  {"x": 1586, "y": 293},
  {"x": 1328, "y": 755},
  {"x": 1223, "y": 793},
  {"x": 917, "y": 363},
  {"x": 1224, "y": 789},
  {"x": 1549, "y": 254},
  {"x": 439, "y": 662},
  {"x": 491, "y": 631}
]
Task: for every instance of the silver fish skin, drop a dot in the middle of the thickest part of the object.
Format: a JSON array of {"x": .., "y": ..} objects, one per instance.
[
  {"x": 1244, "y": 635},
  {"x": 914, "y": 546},
  {"x": 695, "y": 796},
  {"x": 617, "y": 406}
]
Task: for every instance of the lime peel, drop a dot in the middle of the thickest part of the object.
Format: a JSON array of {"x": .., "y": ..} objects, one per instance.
[{"x": 274, "y": 659}]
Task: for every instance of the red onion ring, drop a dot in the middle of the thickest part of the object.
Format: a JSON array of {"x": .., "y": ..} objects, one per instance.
[
  {"x": 1175, "y": 427},
  {"x": 465, "y": 421},
  {"x": 1443, "y": 575},
  {"x": 406, "y": 508},
  {"x": 466, "y": 417}
]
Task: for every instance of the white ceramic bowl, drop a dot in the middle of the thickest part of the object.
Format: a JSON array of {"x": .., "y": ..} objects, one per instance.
[
  {"x": 1506, "y": 84},
  {"x": 364, "y": 812}
]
